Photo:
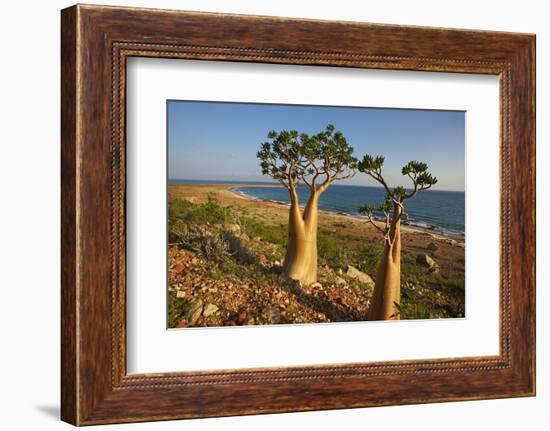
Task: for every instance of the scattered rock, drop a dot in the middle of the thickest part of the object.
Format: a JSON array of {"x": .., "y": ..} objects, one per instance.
[
  {"x": 339, "y": 300},
  {"x": 209, "y": 310},
  {"x": 268, "y": 296},
  {"x": 178, "y": 268},
  {"x": 354, "y": 273},
  {"x": 408, "y": 285},
  {"x": 242, "y": 317},
  {"x": 257, "y": 239},
  {"x": 182, "y": 324},
  {"x": 271, "y": 315},
  {"x": 193, "y": 310},
  {"x": 426, "y": 261}
]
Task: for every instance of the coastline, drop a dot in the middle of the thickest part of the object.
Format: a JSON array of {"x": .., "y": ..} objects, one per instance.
[
  {"x": 405, "y": 227},
  {"x": 276, "y": 212}
]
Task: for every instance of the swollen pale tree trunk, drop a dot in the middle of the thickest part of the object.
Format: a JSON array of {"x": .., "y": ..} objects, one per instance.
[
  {"x": 301, "y": 255},
  {"x": 387, "y": 288}
]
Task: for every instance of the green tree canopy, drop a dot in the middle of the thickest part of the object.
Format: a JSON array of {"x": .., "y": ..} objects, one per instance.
[
  {"x": 290, "y": 157},
  {"x": 417, "y": 172}
]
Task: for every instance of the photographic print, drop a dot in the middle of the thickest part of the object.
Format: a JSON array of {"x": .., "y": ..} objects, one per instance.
[
  {"x": 297, "y": 214},
  {"x": 250, "y": 192}
]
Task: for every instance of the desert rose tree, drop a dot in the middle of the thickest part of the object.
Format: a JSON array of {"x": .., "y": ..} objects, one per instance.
[
  {"x": 387, "y": 290},
  {"x": 316, "y": 161}
]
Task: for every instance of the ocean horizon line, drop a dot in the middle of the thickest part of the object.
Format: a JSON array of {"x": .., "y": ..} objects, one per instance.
[{"x": 267, "y": 183}]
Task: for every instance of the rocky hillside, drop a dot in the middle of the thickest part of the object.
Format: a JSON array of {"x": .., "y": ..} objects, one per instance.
[{"x": 223, "y": 273}]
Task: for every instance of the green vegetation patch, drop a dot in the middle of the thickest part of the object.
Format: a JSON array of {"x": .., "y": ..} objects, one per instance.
[{"x": 210, "y": 212}]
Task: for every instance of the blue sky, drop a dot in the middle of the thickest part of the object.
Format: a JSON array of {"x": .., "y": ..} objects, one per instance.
[{"x": 219, "y": 141}]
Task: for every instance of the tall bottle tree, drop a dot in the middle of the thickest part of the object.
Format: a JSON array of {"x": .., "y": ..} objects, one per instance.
[
  {"x": 387, "y": 290},
  {"x": 316, "y": 161}
]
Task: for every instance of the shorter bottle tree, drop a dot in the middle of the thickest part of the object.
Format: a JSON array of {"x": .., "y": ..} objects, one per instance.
[{"x": 387, "y": 290}]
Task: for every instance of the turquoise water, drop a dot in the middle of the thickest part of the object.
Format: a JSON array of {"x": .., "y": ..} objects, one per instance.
[{"x": 440, "y": 211}]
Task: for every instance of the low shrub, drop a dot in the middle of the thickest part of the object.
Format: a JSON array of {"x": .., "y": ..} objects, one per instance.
[
  {"x": 211, "y": 244},
  {"x": 369, "y": 256},
  {"x": 175, "y": 310},
  {"x": 210, "y": 212},
  {"x": 330, "y": 252},
  {"x": 272, "y": 234}
]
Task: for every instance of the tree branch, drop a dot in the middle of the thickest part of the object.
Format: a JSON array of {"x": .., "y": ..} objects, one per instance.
[
  {"x": 369, "y": 218},
  {"x": 415, "y": 186},
  {"x": 378, "y": 177}
]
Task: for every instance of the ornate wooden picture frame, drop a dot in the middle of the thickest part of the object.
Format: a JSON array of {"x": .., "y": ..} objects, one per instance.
[{"x": 96, "y": 41}]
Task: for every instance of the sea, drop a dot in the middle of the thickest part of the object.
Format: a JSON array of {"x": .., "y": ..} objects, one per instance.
[{"x": 436, "y": 210}]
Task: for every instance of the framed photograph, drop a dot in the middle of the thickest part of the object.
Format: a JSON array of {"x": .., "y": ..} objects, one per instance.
[{"x": 265, "y": 214}]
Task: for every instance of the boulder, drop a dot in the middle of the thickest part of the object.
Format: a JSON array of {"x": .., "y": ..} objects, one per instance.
[
  {"x": 360, "y": 276},
  {"x": 426, "y": 261},
  {"x": 209, "y": 310}
]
